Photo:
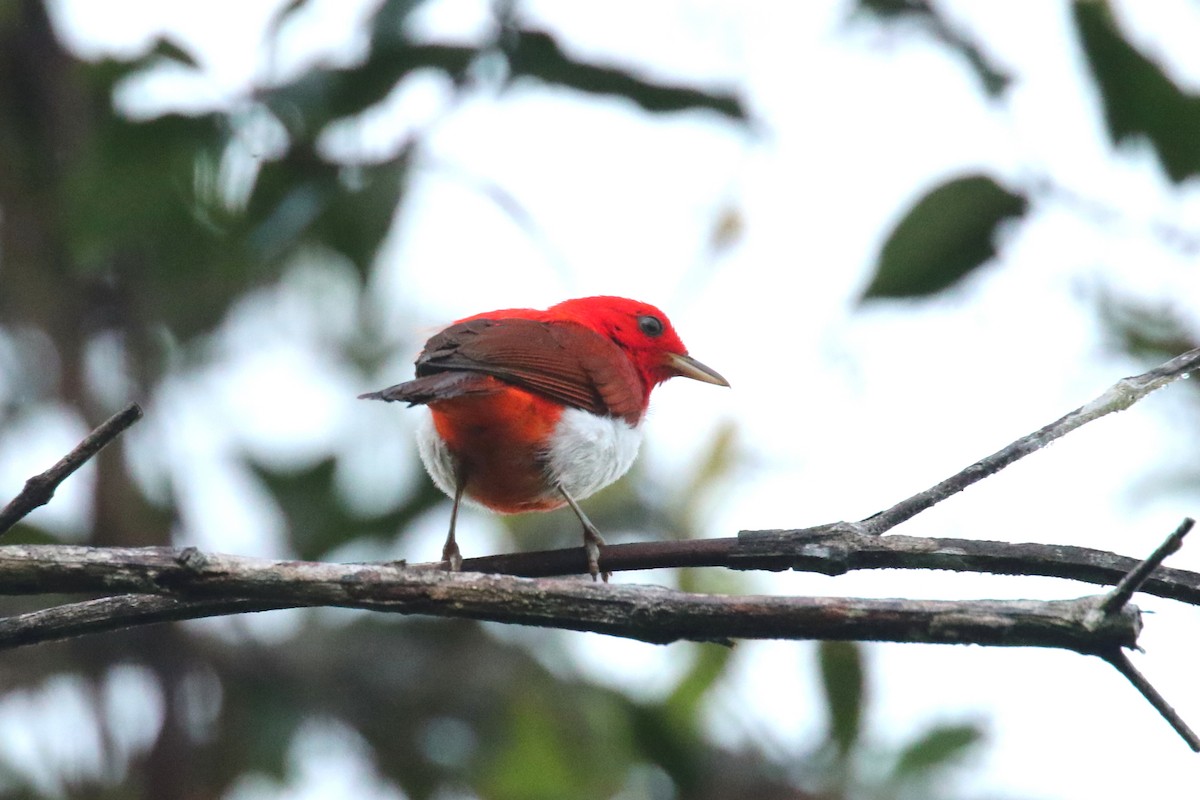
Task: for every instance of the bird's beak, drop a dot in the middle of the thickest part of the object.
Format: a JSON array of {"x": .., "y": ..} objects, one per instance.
[{"x": 688, "y": 367}]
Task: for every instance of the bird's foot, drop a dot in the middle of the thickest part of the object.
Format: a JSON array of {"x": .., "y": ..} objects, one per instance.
[
  {"x": 592, "y": 542},
  {"x": 451, "y": 557}
]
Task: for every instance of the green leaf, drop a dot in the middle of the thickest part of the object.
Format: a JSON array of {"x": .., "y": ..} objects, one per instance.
[
  {"x": 537, "y": 55},
  {"x": 557, "y": 745},
  {"x": 1138, "y": 97},
  {"x": 302, "y": 200},
  {"x": 842, "y": 682},
  {"x": 921, "y": 14},
  {"x": 168, "y": 49},
  {"x": 938, "y": 748},
  {"x": 24, "y": 533},
  {"x": 948, "y": 233},
  {"x": 683, "y": 704}
]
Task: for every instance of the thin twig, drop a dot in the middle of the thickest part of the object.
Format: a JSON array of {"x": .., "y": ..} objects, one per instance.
[
  {"x": 107, "y": 614},
  {"x": 1119, "y": 396},
  {"x": 1133, "y": 580},
  {"x": 1119, "y": 659},
  {"x": 40, "y": 488}
]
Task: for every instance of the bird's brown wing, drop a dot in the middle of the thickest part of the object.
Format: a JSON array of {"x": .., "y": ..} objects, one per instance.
[{"x": 563, "y": 361}]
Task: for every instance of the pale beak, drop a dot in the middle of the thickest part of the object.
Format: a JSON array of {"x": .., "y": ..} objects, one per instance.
[{"x": 688, "y": 367}]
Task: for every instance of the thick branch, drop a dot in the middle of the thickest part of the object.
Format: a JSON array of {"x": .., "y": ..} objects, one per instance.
[
  {"x": 829, "y": 550},
  {"x": 646, "y": 613},
  {"x": 40, "y": 488}
]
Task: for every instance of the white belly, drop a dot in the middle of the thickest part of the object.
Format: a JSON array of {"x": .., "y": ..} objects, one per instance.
[
  {"x": 588, "y": 452},
  {"x": 585, "y": 454}
]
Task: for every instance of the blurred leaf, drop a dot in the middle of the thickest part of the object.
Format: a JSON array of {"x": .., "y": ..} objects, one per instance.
[
  {"x": 938, "y": 748},
  {"x": 1139, "y": 99},
  {"x": 995, "y": 79},
  {"x": 717, "y": 463},
  {"x": 318, "y": 519},
  {"x": 536, "y": 54},
  {"x": 946, "y": 235},
  {"x": 24, "y": 533},
  {"x": 168, "y": 49},
  {"x": 843, "y": 685},
  {"x": 283, "y": 14},
  {"x": 549, "y": 752},
  {"x": 1151, "y": 332},
  {"x": 315, "y": 99},
  {"x": 302, "y": 199},
  {"x": 708, "y": 665}
]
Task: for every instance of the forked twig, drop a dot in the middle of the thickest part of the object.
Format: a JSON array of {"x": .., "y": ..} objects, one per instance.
[
  {"x": 1136, "y": 577},
  {"x": 1114, "y": 603}
]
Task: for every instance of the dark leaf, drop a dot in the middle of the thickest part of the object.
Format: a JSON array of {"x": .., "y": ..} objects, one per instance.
[
  {"x": 536, "y": 54},
  {"x": 285, "y": 13},
  {"x": 168, "y": 49},
  {"x": 304, "y": 200},
  {"x": 683, "y": 704},
  {"x": 938, "y": 748},
  {"x": 320, "y": 96},
  {"x": 921, "y": 14},
  {"x": 309, "y": 103},
  {"x": 947, "y": 234},
  {"x": 1139, "y": 99},
  {"x": 842, "y": 682}
]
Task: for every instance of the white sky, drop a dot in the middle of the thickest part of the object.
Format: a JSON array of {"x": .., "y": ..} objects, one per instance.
[{"x": 843, "y": 412}]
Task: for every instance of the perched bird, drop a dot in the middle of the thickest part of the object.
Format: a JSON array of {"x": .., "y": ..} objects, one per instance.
[{"x": 531, "y": 410}]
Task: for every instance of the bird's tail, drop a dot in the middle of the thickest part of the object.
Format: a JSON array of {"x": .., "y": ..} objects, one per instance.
[{"x": 438, "y": 386}]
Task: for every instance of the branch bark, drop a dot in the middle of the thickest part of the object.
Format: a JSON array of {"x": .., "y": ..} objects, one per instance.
[
  {"x": 826, "y": 549},
  {"x": 646, "y": 613}
]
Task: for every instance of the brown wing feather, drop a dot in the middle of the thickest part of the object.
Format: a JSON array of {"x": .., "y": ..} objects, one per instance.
[
  {"x": 563, "y": 361},
  {"x": 439, "y": 386}
]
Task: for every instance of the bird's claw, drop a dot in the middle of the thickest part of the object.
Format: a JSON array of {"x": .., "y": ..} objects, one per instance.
[
  {"x": 592, "y": 541},
  {"x": 451, "y": 557}
]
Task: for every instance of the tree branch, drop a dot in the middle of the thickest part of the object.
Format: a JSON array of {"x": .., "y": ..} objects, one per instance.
[
  {"x": 646, "y": 613},
  {"x": 40, "y": 488},
  {"x": 162, "y": 584},
  {"x": 1118, "y": 397},
  {"x": 828, "y": 550},
  {"x": 1122, "y": 593},
  {"x": 1120, "y": 659},
  {"x": 107, "y": 614}
]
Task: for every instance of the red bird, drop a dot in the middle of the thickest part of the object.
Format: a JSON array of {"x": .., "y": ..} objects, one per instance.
[{"x": 533, "y": 410}]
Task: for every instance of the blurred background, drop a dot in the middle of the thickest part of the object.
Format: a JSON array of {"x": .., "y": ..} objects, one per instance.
[{"x": 908, "y": 232}]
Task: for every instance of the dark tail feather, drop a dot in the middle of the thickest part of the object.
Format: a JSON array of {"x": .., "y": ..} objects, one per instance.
[{"x": 439, "y": 386}]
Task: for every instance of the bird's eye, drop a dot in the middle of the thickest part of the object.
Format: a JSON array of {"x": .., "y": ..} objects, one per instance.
[{"x": 650, "y": 325}]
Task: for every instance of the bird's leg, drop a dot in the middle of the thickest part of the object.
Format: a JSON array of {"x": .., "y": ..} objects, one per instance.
[
  {"x": 592, "y": 540},
  {"x": 450, "y": 553}
]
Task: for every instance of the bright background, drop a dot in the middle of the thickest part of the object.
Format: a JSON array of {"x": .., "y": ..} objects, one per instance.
[{"x": 758, "y": 241}]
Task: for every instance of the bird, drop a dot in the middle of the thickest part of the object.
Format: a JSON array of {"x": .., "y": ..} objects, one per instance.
[{"x": 533, "y": 410}]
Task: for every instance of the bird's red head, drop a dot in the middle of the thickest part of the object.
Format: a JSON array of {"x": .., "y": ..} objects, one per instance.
[{"x": 643, "y": 332}]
